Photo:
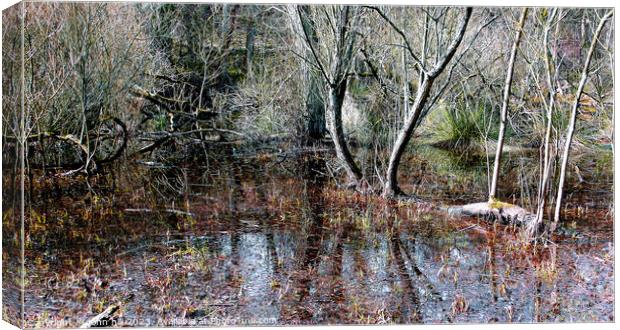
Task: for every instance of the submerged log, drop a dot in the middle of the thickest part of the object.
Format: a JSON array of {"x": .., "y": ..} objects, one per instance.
[
  {"x": 102, "y": 320},
  {"x": 171, "y": 211}
]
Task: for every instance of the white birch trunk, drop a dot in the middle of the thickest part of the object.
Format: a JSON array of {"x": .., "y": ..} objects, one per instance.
[
  {"x": 571, "y": 127},
  {"x": 505, "y": 102}
]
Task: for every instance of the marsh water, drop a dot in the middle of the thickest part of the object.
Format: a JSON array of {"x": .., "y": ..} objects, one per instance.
[{"x": 270, "y": 238}]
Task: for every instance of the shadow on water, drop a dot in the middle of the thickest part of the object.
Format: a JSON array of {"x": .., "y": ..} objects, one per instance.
[{"x": 275, "y": 242}]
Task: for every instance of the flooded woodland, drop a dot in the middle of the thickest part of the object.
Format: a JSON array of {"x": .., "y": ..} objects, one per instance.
[{"x": 223, "y": 164}]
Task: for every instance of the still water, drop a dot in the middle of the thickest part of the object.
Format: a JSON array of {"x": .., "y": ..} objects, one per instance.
[{"x": 273, "y": 240}]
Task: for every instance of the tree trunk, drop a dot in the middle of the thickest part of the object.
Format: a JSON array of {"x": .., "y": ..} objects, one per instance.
[
  {"x": 502, "y": 124},
  {"x": 573, "y": 119},
  {"x": 334, "y": 125},
  {"x": 315, "y": 107},
  {"x": 341, "y": 58},
  {"x": 391, "y": 188},
  {"x": 544, "y": 182},
  {"x": 249, "y": 45}
]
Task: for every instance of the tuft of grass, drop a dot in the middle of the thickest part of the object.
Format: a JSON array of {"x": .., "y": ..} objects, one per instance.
[{"x": 461, "y": 125}]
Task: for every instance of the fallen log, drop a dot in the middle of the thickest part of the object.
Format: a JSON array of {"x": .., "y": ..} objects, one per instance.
[
  {"x": 171, "y": 211},
  {"x": 156, "y": 144},
  {"x": 505, "y": 213},
  {"x": 69, "y": 138},
  {"x": 102, "y": 320},
  {"x": 174, "y": 105},
  {"x": 84, "y": 149}
]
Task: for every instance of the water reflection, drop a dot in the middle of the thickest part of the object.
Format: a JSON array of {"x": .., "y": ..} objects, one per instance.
[
  {"x": 263, "y": 246},
  {"x": 409, "y": 308}
]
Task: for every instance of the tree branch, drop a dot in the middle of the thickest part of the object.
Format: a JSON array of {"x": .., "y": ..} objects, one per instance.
[
  {"x": 402, "y": 34},
  {"x": 309, "y": 42}
]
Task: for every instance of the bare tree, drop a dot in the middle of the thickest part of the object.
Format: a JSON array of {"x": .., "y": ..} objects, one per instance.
[
  {"x": 333, "y": 56},
  {"x": 427, "y": 78},
  {"x": 311, "y": 80},
  {"x": 81, "y": 61},
  {"x": 505, "y": 102},
  {"x": 550, "y": 68},
  {"x": 573, "y": 119}
]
